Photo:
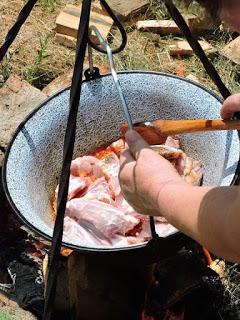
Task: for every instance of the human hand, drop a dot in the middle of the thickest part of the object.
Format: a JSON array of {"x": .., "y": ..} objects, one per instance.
[
  {"x": 144, "y": 174},
  {"x": 230, "y": 106}
]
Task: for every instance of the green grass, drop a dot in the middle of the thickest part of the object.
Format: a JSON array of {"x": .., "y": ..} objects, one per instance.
[
  {"x": 49, "y": 4},
  {"x": 32, "y": 72},
  {"x": 5, "y": 317}
]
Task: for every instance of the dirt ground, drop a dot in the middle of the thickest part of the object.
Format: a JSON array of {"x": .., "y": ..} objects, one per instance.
[{"x": 38, "y": 58}]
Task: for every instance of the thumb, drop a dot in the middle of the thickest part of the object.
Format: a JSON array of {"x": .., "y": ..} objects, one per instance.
[
  {"x": 135, "y": 142},
  {"x": 230, "y": 105}
]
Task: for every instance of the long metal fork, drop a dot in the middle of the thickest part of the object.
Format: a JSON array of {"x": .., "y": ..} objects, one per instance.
[{"x": 114, "y": 74}]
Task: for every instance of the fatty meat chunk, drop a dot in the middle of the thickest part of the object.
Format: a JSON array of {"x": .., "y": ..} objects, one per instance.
[
  {"x": 73, "y": 230},
  {"x": 100, "y": 190},
  {"x": 87, "y": 165},
  {"x": 77, "y": 186},
  {"x": 172, "y": 142},
  {"x": 99, "y": 215},
  {"x": 111, "y": 166},
  {"x": 191, "y": 170}
]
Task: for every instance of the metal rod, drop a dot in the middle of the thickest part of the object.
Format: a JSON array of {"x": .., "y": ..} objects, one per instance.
[
  {"x": 114, "y": 74},
  {"x": 90, "y": 58}
]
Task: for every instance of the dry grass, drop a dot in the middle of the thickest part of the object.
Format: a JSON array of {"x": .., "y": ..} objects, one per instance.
[
  {"x": 24, "y": 57},
  {"x": 40, "y": 62}
]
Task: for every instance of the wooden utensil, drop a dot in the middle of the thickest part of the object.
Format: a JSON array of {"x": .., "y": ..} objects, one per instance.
[
  {"x": 156, "y": 132},
  {"x": 171, "y": 127}
]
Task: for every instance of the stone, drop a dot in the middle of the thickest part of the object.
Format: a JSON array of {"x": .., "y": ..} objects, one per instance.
[
  {"x": 64, "y": 80},
  {"x": 232, "y": 51},
  {"x": 17, "y": 99},
  {"x": 58, "y": 84}
]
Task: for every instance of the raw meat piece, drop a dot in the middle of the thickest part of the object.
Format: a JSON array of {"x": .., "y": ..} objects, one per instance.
[
  {"x": 100, "y": 190},
  {"x": 191, "y": 170},
  {"x": 160, "y": 219},
  {"x": 104, "y": 217},
  {"x": 167, "y": 152},
  {"x": 172, "y": 142},
  {"x": 118, "y": 146},
  {"x": 120, "y": 202},
  {"x": 77, "y": 185},
  {"x": 74, "y": 230},
  {"x": 110, "y": 165},
  {"x": 97, "y": 215},
  {"x": 86, "y": 166}
]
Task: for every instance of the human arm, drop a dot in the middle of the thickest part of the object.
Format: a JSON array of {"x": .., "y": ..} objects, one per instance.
[{"x": 207, "y": 214}]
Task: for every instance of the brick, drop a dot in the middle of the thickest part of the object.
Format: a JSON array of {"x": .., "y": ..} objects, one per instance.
[
  {"x": 65, "y": 80},
  {"x": 17, "y": 99}
]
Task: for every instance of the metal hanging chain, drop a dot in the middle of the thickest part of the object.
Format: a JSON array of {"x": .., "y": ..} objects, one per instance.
[
  {"x": 210, "y": 69},
  {"x": 13, "y": 32},
  {"x": 69, "y": 141},
  {"x": 120, "y": 28}
]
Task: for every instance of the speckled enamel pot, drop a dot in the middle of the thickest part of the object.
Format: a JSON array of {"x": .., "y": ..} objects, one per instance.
[{"x": 34, "y": 157}]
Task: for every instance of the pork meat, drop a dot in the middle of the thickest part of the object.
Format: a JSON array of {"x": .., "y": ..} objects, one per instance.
[{"x": 100, "y": 216}]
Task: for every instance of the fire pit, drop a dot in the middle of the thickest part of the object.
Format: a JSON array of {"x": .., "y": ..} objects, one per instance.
[{"x": 111, "y": 277}]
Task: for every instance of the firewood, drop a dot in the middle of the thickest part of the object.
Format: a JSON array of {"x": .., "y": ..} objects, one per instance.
[
  {"x": 232, "y": 51},
  {"x": 67, "y": 22},
  {"x": 65, "y": 40},
  {"x": 169, "y": 26},
  {"x": 182, "y": 48},
  {"x": 125, "y": 9}
]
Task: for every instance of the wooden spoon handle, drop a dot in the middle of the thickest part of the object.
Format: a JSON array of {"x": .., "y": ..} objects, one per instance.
[{"x": 171, "y": 127}]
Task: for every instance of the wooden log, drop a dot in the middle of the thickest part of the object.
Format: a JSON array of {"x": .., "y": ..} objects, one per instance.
[
  {"x": 126, "y": 9},
  {"x": 182, "y": 48},
  {"x": 100, "y": 291},
  {"x": 67, "y": 22},
  {"x": 170, "y": 27},
  {"x": 232, "y": 51},
  {"x": 65, "y": 40},
  {"x": 158, "y": 26}
]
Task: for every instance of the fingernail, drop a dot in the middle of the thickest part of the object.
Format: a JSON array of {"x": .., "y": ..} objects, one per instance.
[{"x": 132, "y": 136}]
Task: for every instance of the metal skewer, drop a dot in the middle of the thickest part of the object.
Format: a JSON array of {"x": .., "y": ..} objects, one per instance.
[
  {"x": 114, "y": 74},
  {"x": 121, "y": 95}
]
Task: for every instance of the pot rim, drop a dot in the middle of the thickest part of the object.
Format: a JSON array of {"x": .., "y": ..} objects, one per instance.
[{"x": 31, "y": 114}]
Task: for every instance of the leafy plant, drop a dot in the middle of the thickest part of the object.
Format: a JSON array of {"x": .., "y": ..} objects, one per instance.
[{"x": 32, "y": 71}]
